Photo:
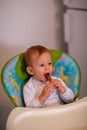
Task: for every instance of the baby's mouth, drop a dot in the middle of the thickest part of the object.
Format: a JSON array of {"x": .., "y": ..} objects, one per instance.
[{"x": 47, "y": 76}]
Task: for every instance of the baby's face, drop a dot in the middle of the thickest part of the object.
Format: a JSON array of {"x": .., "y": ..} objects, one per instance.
[{"x": 42, "y": 66}]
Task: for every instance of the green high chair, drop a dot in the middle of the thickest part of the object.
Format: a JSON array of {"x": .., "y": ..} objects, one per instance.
[{"x": 70, "y": 116}]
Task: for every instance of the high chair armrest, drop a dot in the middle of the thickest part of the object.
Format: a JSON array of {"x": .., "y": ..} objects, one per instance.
[{"x": 71, "y": 116}]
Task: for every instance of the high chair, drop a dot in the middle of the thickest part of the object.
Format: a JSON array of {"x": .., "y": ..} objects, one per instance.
[{"x": 72, "y": 116}]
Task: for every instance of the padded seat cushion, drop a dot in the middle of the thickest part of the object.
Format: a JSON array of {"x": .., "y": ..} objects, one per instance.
[{"x": 14, "y": 75}]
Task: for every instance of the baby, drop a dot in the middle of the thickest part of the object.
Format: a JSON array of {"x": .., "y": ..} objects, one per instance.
[{"x": 42, "y": 89}]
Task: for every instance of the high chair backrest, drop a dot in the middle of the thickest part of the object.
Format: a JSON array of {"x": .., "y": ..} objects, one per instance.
[{"x": 14, "y": 75}]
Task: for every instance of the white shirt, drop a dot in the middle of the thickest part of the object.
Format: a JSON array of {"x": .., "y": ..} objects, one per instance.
[{"x": 33, "y": 89}]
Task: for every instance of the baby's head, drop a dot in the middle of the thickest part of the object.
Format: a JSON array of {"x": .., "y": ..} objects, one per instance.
[
  {"x": 33, "y": 53},
  {"x": 39, "y": 62}
]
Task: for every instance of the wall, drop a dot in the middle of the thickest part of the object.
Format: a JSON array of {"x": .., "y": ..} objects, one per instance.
[
  {"x": 75, "y": 21},
  {"x": 24, "y": 23}
]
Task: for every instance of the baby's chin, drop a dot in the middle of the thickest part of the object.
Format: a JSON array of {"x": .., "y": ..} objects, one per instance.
[{"x": 44, "y": 80}]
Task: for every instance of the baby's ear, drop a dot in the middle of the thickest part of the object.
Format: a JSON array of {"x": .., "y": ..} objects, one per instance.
[
  {"x": 29, "y": 70},
  {"x": 54, "y": 69}
]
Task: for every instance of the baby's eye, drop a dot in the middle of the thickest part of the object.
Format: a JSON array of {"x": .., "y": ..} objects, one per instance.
[
  {"x": 41, "y": 65},
  {"x": 50, "y": 63}
]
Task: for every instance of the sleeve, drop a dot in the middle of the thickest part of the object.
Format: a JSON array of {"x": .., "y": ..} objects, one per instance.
[
  {"x": 68, "y": 96},
  {"x": 29, "y": 92}
]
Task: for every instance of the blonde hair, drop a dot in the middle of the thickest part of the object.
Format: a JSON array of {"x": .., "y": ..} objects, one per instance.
[{"x": 34, "y": 50}]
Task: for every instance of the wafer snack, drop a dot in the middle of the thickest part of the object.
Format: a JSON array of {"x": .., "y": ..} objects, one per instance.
[{"x": 49, "y": 77}]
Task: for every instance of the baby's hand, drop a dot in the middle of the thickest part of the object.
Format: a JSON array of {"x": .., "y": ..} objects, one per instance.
[
  {"x": 58, "y": 85},
  {"x": 48, "y": 89}
]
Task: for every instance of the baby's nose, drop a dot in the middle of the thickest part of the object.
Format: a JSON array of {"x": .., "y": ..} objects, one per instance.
[{"x": 46, "y": 67}]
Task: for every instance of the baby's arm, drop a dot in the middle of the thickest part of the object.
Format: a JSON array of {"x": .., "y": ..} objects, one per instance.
[
  {"x": 65, "y": 93},
  {"x": 68, "y": 96},
  {"x": 30, "y": 91},
  {"x": 59, "y": 86},
  {"x": 45, "y": 93}
]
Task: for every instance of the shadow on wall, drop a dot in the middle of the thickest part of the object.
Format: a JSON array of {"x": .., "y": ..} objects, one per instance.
[
  {"x": 5, "y": 109},
  {"x": 6, "y": 51},
  {"x": 62, "y": 45}
]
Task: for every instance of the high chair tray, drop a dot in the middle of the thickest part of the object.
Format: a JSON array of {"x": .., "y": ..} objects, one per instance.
[{"x": 71, "y": 116}]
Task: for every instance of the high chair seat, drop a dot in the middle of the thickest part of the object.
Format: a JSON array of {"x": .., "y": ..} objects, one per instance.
[{"x": 14, "y": 75}]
